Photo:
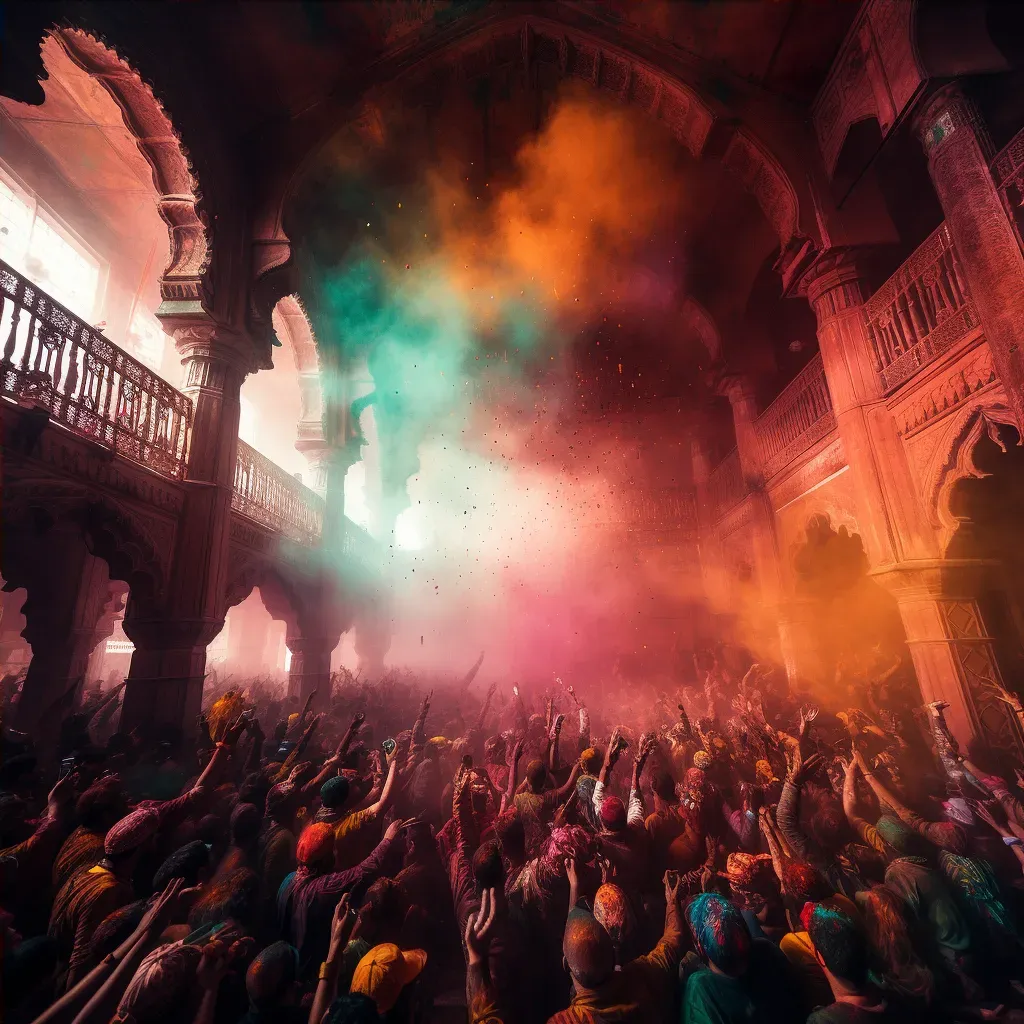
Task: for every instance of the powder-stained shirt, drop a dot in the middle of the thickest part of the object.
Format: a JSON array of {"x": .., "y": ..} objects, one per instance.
[
  {"x": 82, "y": 849},
  {"x": 641, "y": 993},
  {"x": 82, "y": 904},
  {"x": 355, "y": 836}
]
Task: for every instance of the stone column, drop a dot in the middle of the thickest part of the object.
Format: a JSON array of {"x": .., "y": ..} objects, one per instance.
[
  {"x": 953, "y": 655},
  {"x": 900, "y": 543},
  {"x": 739, "y": 389},
  {"x": 310, "y": 668},
  {"x": 165, "y": 681},
  {"x": 892, "y": 521},
  {"x": 69, "y": 595},
  {"x": 798, "y": 643},
  {"x": 959, "y": 155}
]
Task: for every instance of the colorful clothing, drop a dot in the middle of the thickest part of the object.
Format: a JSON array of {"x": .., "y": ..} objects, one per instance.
[
  {"x": 82, "y": 849},
  {"x": 78, "y": 910}
]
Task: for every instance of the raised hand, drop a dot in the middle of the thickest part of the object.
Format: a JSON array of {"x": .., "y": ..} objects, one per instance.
[
  {"x": 341, "y": 924},
  {"x": 161, "y": 910},
  {"x": 478, "y": 929},
  {"x": 672, "y": 882},
  {"x": 570, "y": 871}
]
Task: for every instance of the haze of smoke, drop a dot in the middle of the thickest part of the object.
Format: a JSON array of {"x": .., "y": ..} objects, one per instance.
[{"x": 465, "y": 310}]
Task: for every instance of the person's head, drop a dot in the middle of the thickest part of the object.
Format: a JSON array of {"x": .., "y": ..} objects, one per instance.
[
  {"x": 664, "y": 787},
  {"x": 353, "y": 1008},
  {"x": 885, "y": 924},
  {"x": 245, "y": 824},
  {"x": 613, "y": 912},
  {"x": 115, "y": 928},
  {"x": 588, "y": 950},
  {"x": 100, "y": 806},
  {"x": 511, "y": 836},
  {"x": 271, "y": 978},
  {"x": 254, "y": 789},
  {"x": 128, "y": 838},
  {"x": 536, "y": 775},
  {"x": 840, "y": 946},
  {"x": 494, "y": 750},
  {"x": 385, "y": 971},
  {"x": 435, "y": 747},
  {"x": 233, "y": 897},
  {"x": 190, "y": 862},
  {"x": 613, "y": 814},
  {"x": 719, "y": 933},
  {"x": 488, "y": 869},
  {"x": 315, "y": 848},
  {"x": 162, "y": 989},
  {"x": 802, "y": 884},
  {"x": 828, "y": 826},
  {"x": 334, "y": 793},
  {"x": 591, "y": 760},
  {"x": 383, "y": 911},
  {"x": 281, "y": 804}
]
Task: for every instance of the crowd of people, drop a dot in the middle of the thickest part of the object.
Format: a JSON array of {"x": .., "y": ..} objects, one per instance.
[{"x": 724, "y": 853}]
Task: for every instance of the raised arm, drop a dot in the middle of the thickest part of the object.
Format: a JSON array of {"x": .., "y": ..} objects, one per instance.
[{"x": 513, "y": 774}]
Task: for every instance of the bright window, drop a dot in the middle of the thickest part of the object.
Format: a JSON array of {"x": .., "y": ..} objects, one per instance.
[
  {"x": 146, "y": 339},
  {"x": 33, "y": 243},
  {"x": 16, "y": 217}
]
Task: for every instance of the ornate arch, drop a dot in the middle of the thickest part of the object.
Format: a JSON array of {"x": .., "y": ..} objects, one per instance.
[
  {"x": 531, "y": 40},
  {"x": 178, "y": 195},
  {"x": 280, "y": 595},
  {"x": 112, "y": 531},
  {"x": 953, "y": 458}
]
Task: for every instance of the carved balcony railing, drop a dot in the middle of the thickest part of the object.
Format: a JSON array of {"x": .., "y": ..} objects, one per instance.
[
  {"x": 54, "y": 360},
  {"x": 726, "y": 486},
  {"x": 922, "y": 310},
  {"x": 264, "y": 492},
  {"x": 799, "y": 416},
  {"x": 1008, "y": 175}
]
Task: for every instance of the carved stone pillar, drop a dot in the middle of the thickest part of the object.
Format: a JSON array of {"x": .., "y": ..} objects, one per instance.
[
  {"x": 891, "y": 518},
  {"x": 310, "y": 668},
  {"x": 959, "y": 153},
  {"x": 952, "y": 651},
  {"x": 69, "y": 596},
  {"x": 900, "y": 543},
  {"x": 165, "y": 681}
]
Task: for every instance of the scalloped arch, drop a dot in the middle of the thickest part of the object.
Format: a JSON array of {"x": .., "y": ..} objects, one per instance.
[
  {"x": 114, "y": 533},
  {"x": 953, "y": 459},
  {"x": 178, "y": 195}
]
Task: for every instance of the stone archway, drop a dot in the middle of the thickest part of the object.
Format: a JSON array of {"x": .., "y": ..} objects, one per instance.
[
  {"x": 988, "y": 506},
  {"x": 178, "y": 195},
  {"x": 532, "y": 42}
]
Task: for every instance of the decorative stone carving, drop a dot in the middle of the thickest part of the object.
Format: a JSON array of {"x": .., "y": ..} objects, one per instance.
[
  {"x": 953, "y": 457},
  {"x": 876, "y": 73},
  {"x": 178, "y": 191}
]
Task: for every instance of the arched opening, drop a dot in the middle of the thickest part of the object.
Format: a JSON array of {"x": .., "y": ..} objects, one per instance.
[
  {"x": 858, "y": 631},
  {"x": 990, "y": 510},
  {"x": 79, "y": 211}
]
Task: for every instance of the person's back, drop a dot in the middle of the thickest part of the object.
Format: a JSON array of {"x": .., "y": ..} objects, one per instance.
[
  {"x": 763, "y": 994},
  {"x": 641, "y": 993},
  {"x": 842, "y": 949}
]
